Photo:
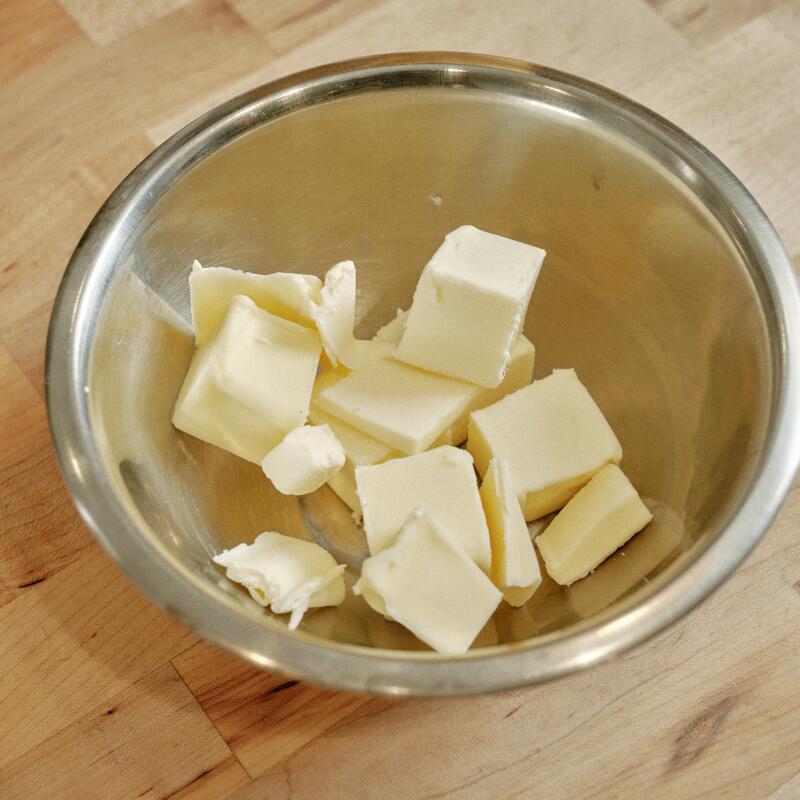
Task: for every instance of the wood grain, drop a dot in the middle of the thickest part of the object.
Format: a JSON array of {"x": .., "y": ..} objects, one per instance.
[
  {"x": 284, "y": 24},
  {"x": 584, "y": 38},
  {"x": 79, "y": 636},
  {"x": 102, "y": 694},
  {"x": 149, "y": 741},
  {"x": 40, "y": 532},
  {"x": 30, "y": 31},
  {"x": 103, "y": 23},
  {"x": 702, "y": 21},
  {"x": 238, "y": 697}
]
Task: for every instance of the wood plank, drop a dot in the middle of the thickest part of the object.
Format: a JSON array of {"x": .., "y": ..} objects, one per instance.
[
  {"x": 72, "y": 641},
  {"x": 752, "y": 130},
  {"x": 284, "y": 24},
  {"x": 218, "y": 782},
  {"x": 107, "y": 22},
  {"x": 704, "y": 21},
  {"x": 25, "y": 338},
  {"x": 40, "y": 532},
  {"x": 35, "y": 244},
  {"x": 31, "y": 28},
  {"x": 123, "y": 90},
  {"x": 264, "y": 716},
  {"x": 148, "y": 741},
  {"x": 107, "y": 168},
  {"x": 21, "y": 410},
  {"x": 40, "y": 243},
  {"x": 581, "y": 37}
]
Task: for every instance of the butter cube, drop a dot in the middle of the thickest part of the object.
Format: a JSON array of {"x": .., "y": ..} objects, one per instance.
[
  {"x": 632, "y": 565},
  {"x": 335, "y": 314},
  {"x": 282, "y": 293},
  {"x": 402, "y": 406},
  {"x": 360, "y": 448},
  {"x": 429, "y": 585},
  {"x": 410, "y": 409},
  {"x": 515, "y": 568},
  {"x": 306, "y": 458},
  {"x": 600, "y": 518},
  {"x": 469, "y": 306},
  {"x": 251, "y": 385},
  {"x": 553, "y": 436},
  {"x": 442, "y": 481},
  {"x": 519, "y": 374},
  {"x": 288, "y": 575}
]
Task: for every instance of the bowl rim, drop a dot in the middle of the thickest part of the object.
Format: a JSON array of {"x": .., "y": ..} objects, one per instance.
[{"x": 224, "y": 621}]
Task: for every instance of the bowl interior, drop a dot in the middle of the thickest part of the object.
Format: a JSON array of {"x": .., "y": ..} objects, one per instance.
[{"x": 644, "y": 292}]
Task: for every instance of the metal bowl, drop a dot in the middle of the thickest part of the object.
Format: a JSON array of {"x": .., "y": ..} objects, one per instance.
[{"x": 665, "y": 286}]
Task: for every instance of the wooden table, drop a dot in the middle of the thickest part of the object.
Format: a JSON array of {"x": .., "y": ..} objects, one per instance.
[{"x": 101, "y": 694}]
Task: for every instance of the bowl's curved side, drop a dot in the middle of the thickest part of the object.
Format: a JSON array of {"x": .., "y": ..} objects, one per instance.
[{"x": 117, "y": 524}]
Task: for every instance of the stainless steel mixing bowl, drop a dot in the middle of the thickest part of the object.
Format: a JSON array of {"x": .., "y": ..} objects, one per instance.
[{"x": 665, "y": 286}]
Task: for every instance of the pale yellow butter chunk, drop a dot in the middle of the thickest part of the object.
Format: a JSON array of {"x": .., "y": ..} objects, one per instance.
[
  {"x": 392, "y": 331},
  {"x": 553, "y": 436},
  {"x": 283, "y": 293},
  {"x": 515, "y": 569},
  {"x": 411, "y": 409},
  {"x": 306, "y": 458},
  {"x": 360, "y": 448},
  {"x": 335, "y": 314},
  {"x": 600, "y": 518},
  {"x": 251, "y": 385},
  {"x": 443, "y": 482},
  {"x": 402, "y": 406},
  {"x": 289, "y": 575},
  {"x": 519, "y": 374},
  {"x": 632, "y": 564},
  {"x": 469, "y": 306},
  {"x": 428, "y": 583}
]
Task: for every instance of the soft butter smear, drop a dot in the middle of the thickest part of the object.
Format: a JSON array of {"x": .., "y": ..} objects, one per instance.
[{"x": 285, "y": 574}]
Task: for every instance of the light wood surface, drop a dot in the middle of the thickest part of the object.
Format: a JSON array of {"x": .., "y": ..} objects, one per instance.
[{"x": 104, "y": 696}]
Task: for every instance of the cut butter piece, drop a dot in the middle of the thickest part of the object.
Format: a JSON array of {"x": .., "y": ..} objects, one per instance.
[
  {"x": 469, "y": 306},
  {"x": 519, "y": 373},
  {"x": 428, "y": 583},
  {"x": 306, "y": 458},
  {"x": 251, "y": 385},
  {"x": 515, "y": 568},
  {"x": 335, "y": 316},
  {"x": 360, "y": 448},
  {"x": 392, "y": 331},
  {"x": 442, "y": 481},
  {"x": 283, "y": 293},
  {"x": 553, "y": 436},
  {"x": 628, "y": 567},
  {"x": 600, "y": 518},
  {"x": 288, "y": 575},
  {"x": 411, "y": 409}
]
